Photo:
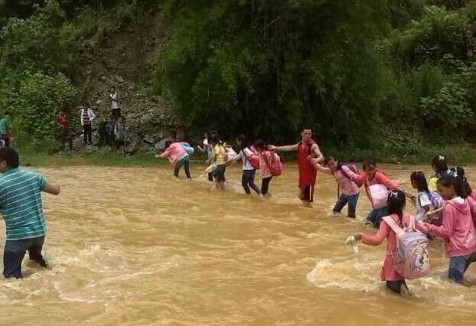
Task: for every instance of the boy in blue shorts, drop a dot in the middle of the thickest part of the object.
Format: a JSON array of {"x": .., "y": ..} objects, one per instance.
[{"x": 22, "y": 209}]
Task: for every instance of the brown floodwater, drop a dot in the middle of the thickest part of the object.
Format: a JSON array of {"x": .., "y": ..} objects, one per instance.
[{"x": 133, "y": 246}]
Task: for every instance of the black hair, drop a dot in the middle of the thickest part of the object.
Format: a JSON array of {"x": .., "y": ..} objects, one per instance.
[
  {"x": 332, "y": 158},
  {"x": 10, "y": 156},
  {"x": 8, "y": 113},
  {"x": 420, "y": 180},
  {"x": 440, "y": 165},
  {"x": 244, "y": 142},
  {"x": 396, "y": 202},
  {"x": 456, "y": 181},
  {"x": 459, "y": 171},
  {"x": 368, "y": 162},
  {"x": 168, "y": 143},
  {"x": 214, "y": 138},
  {"x": 259, "y": 144}
]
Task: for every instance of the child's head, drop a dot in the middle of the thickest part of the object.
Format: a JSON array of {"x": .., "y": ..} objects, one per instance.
[
  {"x": 168, "y": 143},
  {"x": 8, "y": 159},
  {"x": 396, "y": 201},
  {"x": 9, "y": 115},
  {"x": 459, "y": 172},
  {"x": 214, "y": 139},
  {"x": 332, "y": 162},
  {"x": 418, "y": 180},
  {"x": 242, "y": 141},
  {"x": 370, "y": 167},
  {"x": 260, "y": 145},
  {"x": 450, "y": 186},
  {"x": 439, "y": 164}
]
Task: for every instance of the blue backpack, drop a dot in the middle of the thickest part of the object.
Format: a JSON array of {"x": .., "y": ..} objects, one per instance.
[{"x": 189, "y": 149}]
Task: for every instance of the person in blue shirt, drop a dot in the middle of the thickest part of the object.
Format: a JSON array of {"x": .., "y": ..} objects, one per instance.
[{"x": 22, "y": 209}]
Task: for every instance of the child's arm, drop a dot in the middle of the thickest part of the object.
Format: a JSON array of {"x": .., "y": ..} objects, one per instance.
[
  {"x": 374, "y": 239},
  {"x": 317, "y": 166},
  {"x": 386, "y": 181},
  {"x": 429, "y": 213},
  {"x": 165, "y": 153}
]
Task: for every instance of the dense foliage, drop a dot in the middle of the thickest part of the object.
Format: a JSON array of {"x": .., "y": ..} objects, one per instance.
[{"x": 366, "y": 74}]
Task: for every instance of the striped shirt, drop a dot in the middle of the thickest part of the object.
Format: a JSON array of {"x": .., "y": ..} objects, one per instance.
[{"x": 21, "y": 205}]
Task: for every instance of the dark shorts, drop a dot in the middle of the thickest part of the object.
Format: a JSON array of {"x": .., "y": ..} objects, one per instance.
[
  {"x": 307, "y": 193},
  {"x": 15, "y": 252},
  {"x": 219, "y": 173}
]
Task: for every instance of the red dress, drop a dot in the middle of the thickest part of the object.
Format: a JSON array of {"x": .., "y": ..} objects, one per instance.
[{"x": 307, "y": 172}]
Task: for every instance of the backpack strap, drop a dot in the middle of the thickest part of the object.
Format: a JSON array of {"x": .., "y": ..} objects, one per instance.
[
  {"x": 344, "y": 173},
  {"x": 394, "y": 226}
]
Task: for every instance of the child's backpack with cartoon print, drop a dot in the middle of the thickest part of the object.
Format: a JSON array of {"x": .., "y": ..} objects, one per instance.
[{"x": 412, "y": 259}]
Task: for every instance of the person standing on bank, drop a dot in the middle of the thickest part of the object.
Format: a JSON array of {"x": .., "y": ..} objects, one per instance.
[
  {"x": 87, "y": 117},
  {"x": 306, "y": 148},
  {"x": 6, "y": 128},
  {"x": 64, "y": 125},
  {"x": 115, "y": 106},
  {"x": 21, "y": 208}
]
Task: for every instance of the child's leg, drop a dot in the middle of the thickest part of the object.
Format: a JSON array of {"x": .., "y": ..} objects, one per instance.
[
  {"x": 252, "y": 182},
  {"x": 186, "y": 165},
  {"x": 352, "y": 205},
  {"x": 178, "y": 165},
  {"x": 396, "y": 286},
  {"x": 457, "y": 268},
  {"x": 265, "y": 185},
  {"x": 340, "y": 203},
  {"x": 245, "y": 179}
]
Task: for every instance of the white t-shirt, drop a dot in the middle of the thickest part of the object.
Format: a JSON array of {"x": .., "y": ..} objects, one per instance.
[
  {"x": 114, "y": 101},
  {"x": 422, "y": 200}
]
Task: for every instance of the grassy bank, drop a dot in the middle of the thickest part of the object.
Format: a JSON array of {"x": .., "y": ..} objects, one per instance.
[{"x": 457, "y": 155}]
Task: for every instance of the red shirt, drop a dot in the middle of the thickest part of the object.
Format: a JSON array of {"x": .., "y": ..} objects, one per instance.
[
  {"x": 64, "y": 122},
  {"x": 307, "y": 172}
]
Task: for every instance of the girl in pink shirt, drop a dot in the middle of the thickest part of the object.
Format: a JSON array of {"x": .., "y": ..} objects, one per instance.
[
  {"x": 265, "y": 173},
  {"x": 177, "y": 156},
  {"x": 395, "y": 203},
  {"x": 377, "y": 185},
  {"x": 348, "y": 190},
  {"x": 457, "y": 228}
]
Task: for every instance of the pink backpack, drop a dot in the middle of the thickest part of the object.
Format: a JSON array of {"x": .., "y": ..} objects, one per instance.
[
  {"x": 274, "y": 164},
  {"x": 412, "y": 259}
]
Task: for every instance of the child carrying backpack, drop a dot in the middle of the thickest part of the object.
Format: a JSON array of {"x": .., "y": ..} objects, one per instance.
[
  {"x": 270, "y": 166},
  {"x": 347, "y": 189},
  {"x": 407, "y": 250},
  {"x": 427, "y": 203}
]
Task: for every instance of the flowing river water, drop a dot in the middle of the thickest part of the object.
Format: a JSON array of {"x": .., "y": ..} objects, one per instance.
[{"x": 133, "y": 246}]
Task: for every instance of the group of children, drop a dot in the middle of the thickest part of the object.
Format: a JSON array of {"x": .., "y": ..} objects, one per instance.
[{"x": 445, "y": 205}]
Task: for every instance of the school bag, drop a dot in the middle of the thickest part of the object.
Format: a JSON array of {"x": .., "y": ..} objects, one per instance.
[
  {"x": 274, "y": 164},
  {"x": 437, "y": 202},
  {"x": 189, "y": 149},
  {"x": 353, "y": 168},
  {"x": 412, "y": 259},
  {"x": 253, "y": 159}
]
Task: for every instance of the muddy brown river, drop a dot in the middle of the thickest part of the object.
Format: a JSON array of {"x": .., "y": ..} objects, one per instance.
[{"x": 133, "y": 246}]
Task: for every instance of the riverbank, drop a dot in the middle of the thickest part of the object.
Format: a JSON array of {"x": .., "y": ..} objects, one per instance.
[{"x": 457, "y": 155}]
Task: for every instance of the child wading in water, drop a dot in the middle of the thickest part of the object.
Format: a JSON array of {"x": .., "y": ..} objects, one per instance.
[
  {"x": 458, "y": 226},
  {"x": 177, "y": 155},
  {"x": 246, "y": 154},
  {"x": 220, "y": 158},
  {"x": 422, "y": 199},
  {"x": 265, "y": 173},
  {"x": 377, "y": 186},
  {"x": 440, "y": 166},
  {"x": 348, "y": 190},
  {"x": 395, "y": 204}
]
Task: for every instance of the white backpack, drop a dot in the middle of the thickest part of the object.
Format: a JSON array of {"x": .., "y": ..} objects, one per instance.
[{"x": 412, "y": 259}]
